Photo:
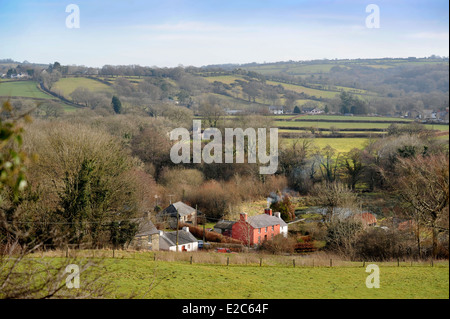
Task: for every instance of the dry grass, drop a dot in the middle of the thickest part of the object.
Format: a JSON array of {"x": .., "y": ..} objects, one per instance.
[{"x": 253, "y": 258}]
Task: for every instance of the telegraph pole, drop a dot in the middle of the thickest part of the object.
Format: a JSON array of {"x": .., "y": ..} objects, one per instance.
[
  {"x": 178, "y": 216},
  {"x": 204, "y": 225}
]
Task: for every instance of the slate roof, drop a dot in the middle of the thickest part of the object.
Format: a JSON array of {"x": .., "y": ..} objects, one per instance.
[
  {"x": 264, "y": 220},
  {"x": 183, "y": 238},
  {"x": 225, "y": 224},
  {"x": 145, "y": 227},
  {"x": 172, "y": 209}
]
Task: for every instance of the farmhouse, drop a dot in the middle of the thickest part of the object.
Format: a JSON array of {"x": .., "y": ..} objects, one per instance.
[
  {"x": 312, "y": 111},
  {"x": 186, "y": 241},
  {"x": 147, "y": 236},
  {"x": 256, "y": 229},
  {"x": 185, "y": 213},
  {"x": 277, "y": 110}
]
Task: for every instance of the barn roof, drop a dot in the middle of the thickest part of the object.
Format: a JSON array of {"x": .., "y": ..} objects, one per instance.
[
  {"x": 368, "y": 218},
  {"x": 225, "y": 224}
]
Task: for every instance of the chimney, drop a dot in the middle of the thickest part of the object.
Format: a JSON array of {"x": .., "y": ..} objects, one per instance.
[
  {"x": 278, "y": 214},
  {"x": 186, "y": 229},
  {"x": 268, "y": 211},
  {"x": 243, "y": 217}
]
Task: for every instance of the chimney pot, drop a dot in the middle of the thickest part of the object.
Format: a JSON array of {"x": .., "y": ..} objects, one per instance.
[
  {"x": 243, "y": 217},
  {"x": 268, "y": 211}
]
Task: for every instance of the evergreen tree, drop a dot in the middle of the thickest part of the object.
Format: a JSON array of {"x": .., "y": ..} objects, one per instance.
[{"x": 116, "y": 104}]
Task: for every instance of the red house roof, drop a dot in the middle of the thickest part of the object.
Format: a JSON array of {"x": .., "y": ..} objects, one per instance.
[{"x": 368, "y": 218}]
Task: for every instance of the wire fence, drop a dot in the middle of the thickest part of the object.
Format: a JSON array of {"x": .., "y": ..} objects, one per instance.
[{"x": 234, "y": 259}]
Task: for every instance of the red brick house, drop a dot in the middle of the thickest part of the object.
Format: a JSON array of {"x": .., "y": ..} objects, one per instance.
[{"x": 256, "y": 229}]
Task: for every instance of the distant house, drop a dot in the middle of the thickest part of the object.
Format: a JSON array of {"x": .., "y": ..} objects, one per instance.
[
  {"x": 147, "y": 236},
  {"x": 233, "y": 112},
  {"x": 312, "y": 111},
  {"x": 443, "y": 116},
  {"x": 257, "y": 229},
  {"x": 368, "y": 219},
  {"x": 277, "y": 110},
  {"x": 428, "y": 115},
  {"x": 186, "y": 241},
  {"x": 224, "y": 227},
  {"x": 186, "y": 214}
]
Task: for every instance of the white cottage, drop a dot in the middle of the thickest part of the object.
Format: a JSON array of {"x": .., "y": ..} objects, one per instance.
[{"x": 186, "y": 241}]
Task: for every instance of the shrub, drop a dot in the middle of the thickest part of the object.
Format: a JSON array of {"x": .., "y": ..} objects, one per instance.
[{"x": 278, "y": 245}]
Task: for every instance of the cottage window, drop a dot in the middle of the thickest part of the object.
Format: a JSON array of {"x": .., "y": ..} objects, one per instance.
[
  {"x": 266, "y": 229},
  {"x": 273, "y": 228},
  {"x": 259, "y": 230}
]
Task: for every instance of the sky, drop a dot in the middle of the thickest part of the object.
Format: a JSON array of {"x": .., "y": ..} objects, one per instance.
[{"x": 202, "y": 32}]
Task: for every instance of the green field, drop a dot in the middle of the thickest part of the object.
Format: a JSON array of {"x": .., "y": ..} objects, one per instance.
[
  {"x": 341, "y": 145},
  {"x": 303, "y": 89},
  {"x": 65, "y": 86},
  {"x": 181, "y": 280},
  {"x": 22, "y": 89},
  {"x": 344, "y": 118},
  {"x": 227, "y": 79},
  {"x": 327, "y": 125}
]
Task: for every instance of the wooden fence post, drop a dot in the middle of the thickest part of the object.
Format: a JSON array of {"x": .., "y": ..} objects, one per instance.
[
  {"x": 293, "y": 261},
  {"x": 331, "y": 262},
  {"x": 228, "y": 261},
  {"x": 191, "y": 260},
  {"x": 260, "y": 262},
  {"x": 398, "y": 262}
]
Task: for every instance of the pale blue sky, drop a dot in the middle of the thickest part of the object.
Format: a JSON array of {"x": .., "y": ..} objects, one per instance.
[{"x": 199, "y": 32}]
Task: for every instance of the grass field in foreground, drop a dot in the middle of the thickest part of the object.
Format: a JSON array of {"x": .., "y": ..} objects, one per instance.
[
  {"x": 22, "y": 88},
  {"x": 180, "y": 280}
]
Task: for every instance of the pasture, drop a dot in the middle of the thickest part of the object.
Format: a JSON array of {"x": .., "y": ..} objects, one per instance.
[
  {"x": 306, "y": 90},
  {"x": 22, "y": 89},
  {"x": 172, "y": 276},
  {"x": 65, "y": 86},
  {"x": 341, "y": 145}
]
